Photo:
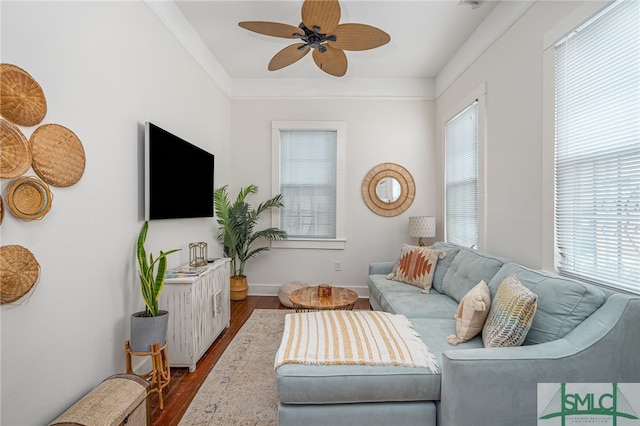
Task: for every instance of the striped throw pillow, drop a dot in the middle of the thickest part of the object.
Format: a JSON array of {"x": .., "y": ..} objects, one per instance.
[{"x": 511, "y": 314}]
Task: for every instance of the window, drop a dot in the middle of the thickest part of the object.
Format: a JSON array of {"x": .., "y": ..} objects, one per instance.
[
  {"x": 597, "y": 149},
  {"x": 461, "y": 177},
  {"x": 309, "y": 173}
]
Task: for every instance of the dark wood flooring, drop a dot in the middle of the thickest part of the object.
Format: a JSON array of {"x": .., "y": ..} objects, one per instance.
[{"x": 184, "y": 385}]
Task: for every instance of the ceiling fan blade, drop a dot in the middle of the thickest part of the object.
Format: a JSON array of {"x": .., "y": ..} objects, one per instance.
[
  {"x": 359, "y": 37},
  {"x": 321, "y": 13},
  {"x": 288, "y": 56},
  {"x": 274, "y": 29},
  {"x": 332, "y": 61}
]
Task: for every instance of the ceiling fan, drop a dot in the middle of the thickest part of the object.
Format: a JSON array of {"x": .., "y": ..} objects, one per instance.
[{"x": 320, "y": 31}]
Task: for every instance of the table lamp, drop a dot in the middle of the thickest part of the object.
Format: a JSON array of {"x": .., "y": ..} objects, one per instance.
[{"x": 422, "y": 227}]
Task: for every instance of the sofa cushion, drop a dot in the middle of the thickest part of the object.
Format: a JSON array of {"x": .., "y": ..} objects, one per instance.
[
  {"x": 400, "y": 298},
  {"x": 443, "y": 264},
  {"x": 416, "y": 266},
  {"x": 511, "y": 314},
  {"x": 472, "y": 313},
  {"x": 562, "y": 303},
  {"x": 468, "y": 269}
]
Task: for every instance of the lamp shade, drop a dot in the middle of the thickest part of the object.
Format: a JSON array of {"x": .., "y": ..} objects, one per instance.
[{"x": 422, "y": 226}]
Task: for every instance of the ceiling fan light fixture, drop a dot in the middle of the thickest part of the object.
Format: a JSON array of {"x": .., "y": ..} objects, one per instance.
[
  {"x": 473, "y": 3},
  {"x": 322, "y": 34}
]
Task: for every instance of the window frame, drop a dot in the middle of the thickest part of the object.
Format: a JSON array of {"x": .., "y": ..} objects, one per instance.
[
  {"x": 576, "y": 20},
  {"x": 478, "y": 95},
  {"x": 339, "y": 242}
]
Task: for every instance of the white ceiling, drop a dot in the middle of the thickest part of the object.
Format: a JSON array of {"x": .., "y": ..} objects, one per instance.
[{"x": 425, "y": 36}]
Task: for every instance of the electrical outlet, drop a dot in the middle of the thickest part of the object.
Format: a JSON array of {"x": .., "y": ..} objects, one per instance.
[{"x": 338, "y": 265}]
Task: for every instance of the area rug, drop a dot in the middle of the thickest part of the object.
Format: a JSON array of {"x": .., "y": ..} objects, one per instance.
[{"x": 241, "y": 388}]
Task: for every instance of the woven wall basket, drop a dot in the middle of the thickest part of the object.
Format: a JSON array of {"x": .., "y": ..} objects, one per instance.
[
  {"x": 22, "y": 99},
  {"x": 57, "y": 155},
  {"x": 15, "y": 158},
  {"x": 20, "y": 272},
  {"x": 29, "y": 198},
  {"x": 1, "y": 211}
]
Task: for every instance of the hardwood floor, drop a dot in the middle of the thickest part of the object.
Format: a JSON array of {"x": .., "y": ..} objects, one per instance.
[{"x": 184, "y": 385}]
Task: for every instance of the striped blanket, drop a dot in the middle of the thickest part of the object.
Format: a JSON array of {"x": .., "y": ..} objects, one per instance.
[{"x": 352, "y": 338}]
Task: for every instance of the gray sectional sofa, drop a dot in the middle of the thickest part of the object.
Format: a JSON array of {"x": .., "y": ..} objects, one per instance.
[{"x": 580, "y": 333}]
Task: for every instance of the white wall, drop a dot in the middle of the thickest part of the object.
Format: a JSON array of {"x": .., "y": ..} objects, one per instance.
[
  {"x": 378, "y": 131},
  {"x": 105, "y": 67},
  {"x": 512, "y": 69}
]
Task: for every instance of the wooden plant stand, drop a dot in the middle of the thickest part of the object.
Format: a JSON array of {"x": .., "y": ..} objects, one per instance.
[{"x": 159, "y": 375}]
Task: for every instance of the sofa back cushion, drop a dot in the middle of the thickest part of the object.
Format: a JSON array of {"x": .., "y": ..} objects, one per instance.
[
  {"x": 467, "y": 269},
  {"x": 562, "y": 303},
  {"x": 443, "y": 264}
]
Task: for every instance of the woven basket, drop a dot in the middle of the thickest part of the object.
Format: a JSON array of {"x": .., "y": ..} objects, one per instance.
[
  {"x": 22, "y": 100},
  {"x": 29, "y": 198},
  {"x": 15, "y": 158},
  {"x": 57, "y": 155},
  {"x": 1, "y": 211},
  {"x": 20, "y": 272}
]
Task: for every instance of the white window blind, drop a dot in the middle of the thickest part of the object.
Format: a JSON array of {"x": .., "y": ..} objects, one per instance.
[
  {"x": 597, "y": 158},
  {"x": 461, "y": 177},
  {"x": 308, "y": 161}
]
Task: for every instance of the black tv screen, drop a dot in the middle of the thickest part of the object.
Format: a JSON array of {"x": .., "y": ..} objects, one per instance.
[{"x": 178, "y": 177}]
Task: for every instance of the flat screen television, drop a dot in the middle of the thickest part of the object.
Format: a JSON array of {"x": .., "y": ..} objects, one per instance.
[{"x": 178, "y": 177}]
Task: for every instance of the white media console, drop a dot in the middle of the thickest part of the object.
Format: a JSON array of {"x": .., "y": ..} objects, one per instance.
[{"x": 199, "y": 310}]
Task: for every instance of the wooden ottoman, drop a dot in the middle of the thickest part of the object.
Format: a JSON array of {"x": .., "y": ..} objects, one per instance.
[{"x": 120, "y": 399}]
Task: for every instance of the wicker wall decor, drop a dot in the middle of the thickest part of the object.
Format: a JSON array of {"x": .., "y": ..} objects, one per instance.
[
  {"x": 1, "y": 210},
  {"x": 29, "y": 198},
  {"x": 57, "y": 155},
  {"x": 407, "y": 189},
  {"x": 20, "y": 272},
  {"x": 22, "y": 99},
  {"x": 15, "y": 158}
]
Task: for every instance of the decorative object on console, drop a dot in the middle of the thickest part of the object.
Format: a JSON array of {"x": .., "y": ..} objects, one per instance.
[
  {"x": 198, "y": 254},
  {"x": 422, "y": 227},
  {"x": 321, "y": 32},
  {"x": 149, "y": 326},
  {"x": 511, "y": 314},
  {"x": 22, "y": 100},
  {"x": 29, "y": 198},
  {"x": 58, "y": 155},
  {"x": 416, "y": 266},
  {"x": 236, "y": 232},
  {"x": 388, "y": 201},
  {"x": 20, "y": 272},
  {"x": 15, "y": 157},
  {"x": 472, "y": 313}
]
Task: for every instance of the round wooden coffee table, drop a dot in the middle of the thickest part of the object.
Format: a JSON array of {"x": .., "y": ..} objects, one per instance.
[{"x": 306, "y": 299}]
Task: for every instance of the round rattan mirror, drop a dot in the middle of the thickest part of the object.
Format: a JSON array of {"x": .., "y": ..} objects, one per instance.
[{"x": 388, "y": 189}]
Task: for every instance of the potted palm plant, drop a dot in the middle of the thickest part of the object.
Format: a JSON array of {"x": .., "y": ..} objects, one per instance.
[
  {"x": 236, "y": 233},
  {"x": 149, "y": 326}
]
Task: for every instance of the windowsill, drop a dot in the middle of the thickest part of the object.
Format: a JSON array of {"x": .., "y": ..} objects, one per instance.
[{"x": 310, "y": 243}]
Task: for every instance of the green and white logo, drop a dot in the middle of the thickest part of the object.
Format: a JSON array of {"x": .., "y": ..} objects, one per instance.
[{"x": 564, "y": 404}]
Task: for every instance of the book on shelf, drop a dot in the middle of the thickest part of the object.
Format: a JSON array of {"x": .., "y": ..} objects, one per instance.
[{"x": 185, "y": 271}]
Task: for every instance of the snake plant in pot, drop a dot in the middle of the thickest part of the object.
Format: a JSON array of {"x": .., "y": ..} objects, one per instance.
[
  {"x": 237, "y": 233},
  {"x": 149, "y": 326}
]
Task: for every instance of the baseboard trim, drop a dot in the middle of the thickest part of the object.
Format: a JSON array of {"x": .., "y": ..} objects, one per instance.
[{"x": 272, "y": 290}]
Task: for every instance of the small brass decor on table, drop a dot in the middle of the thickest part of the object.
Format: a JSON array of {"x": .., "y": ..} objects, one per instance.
[
  {"x": 198, "y": 254},
  {"x": 324, "y": 290}
]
